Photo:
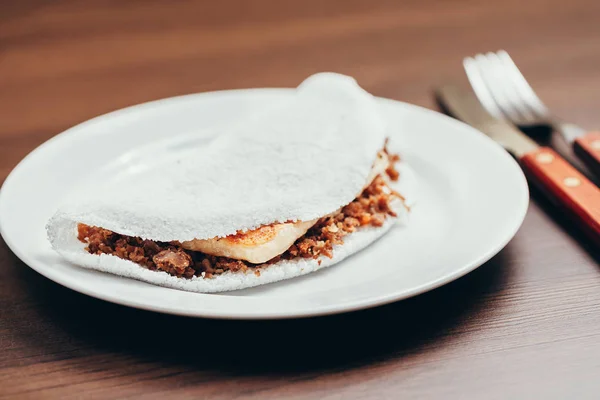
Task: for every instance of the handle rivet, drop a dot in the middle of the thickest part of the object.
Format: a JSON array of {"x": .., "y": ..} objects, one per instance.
[
  {"x": 595, "y": 144},
  {"x": 571, "y": 181},
  {"x": 544, "y": 158}
]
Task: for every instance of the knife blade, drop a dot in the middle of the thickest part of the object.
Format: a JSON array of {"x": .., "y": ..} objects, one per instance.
[
  {"x": 565, "y": 185},
  {"x": 468, "y": 109}
]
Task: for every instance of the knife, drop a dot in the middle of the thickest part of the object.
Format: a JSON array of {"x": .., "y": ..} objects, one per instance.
[{"x": 576, "y": 195}]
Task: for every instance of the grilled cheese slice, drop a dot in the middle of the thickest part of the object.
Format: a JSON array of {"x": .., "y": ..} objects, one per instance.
[{"x": 261, "y": 245}]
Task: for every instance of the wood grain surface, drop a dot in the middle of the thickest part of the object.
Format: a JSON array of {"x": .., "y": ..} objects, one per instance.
[{"x": 525, "y": 325}]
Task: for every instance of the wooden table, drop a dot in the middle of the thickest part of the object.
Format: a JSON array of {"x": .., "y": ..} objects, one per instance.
[{"x": 525, "y": 325}]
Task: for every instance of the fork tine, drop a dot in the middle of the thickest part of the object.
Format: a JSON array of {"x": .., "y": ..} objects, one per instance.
[
  {"x": 511, "y": 102},
  {"x": 497, "y": 82},
  {"x": 525, "y": 91},
  {"x": 487, "y": 82},
  {"x": 480, "y": 88}
]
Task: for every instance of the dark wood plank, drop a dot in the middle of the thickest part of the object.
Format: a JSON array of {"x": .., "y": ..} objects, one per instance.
[{"x": 524, "y": 325}]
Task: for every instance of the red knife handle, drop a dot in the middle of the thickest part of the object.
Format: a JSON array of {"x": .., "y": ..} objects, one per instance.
[
  {"x": 577, "y": 196},
  {"x": 587, "y": 148}
]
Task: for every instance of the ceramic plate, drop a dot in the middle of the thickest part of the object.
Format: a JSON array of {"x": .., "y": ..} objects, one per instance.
[{"x": 471, "y": 200}]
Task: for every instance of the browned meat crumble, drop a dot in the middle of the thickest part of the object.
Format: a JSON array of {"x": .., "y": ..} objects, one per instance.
[{"x": 371, "y": 208}]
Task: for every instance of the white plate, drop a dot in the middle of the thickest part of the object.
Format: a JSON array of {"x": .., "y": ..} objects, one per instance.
[{"x": 472, "y": 199}]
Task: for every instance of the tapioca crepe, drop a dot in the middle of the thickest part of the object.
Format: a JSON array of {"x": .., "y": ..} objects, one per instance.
[{"x": 293, "y": 188}]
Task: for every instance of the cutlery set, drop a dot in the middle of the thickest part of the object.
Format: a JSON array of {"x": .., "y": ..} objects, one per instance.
[{"x": 500, "y": 102}]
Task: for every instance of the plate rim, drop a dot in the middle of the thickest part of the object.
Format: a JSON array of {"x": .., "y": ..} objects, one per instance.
[{"x": 336, "y": 308}]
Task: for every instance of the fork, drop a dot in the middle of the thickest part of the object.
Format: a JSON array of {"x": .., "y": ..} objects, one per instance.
[{"x": 505, "y": 93}]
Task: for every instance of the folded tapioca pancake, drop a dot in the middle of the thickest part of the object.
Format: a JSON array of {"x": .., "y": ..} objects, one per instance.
[{"x": 296, "y": 187}]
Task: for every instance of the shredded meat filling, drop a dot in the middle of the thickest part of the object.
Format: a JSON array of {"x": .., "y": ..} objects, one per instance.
[{"x": 371, "y": 208}]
